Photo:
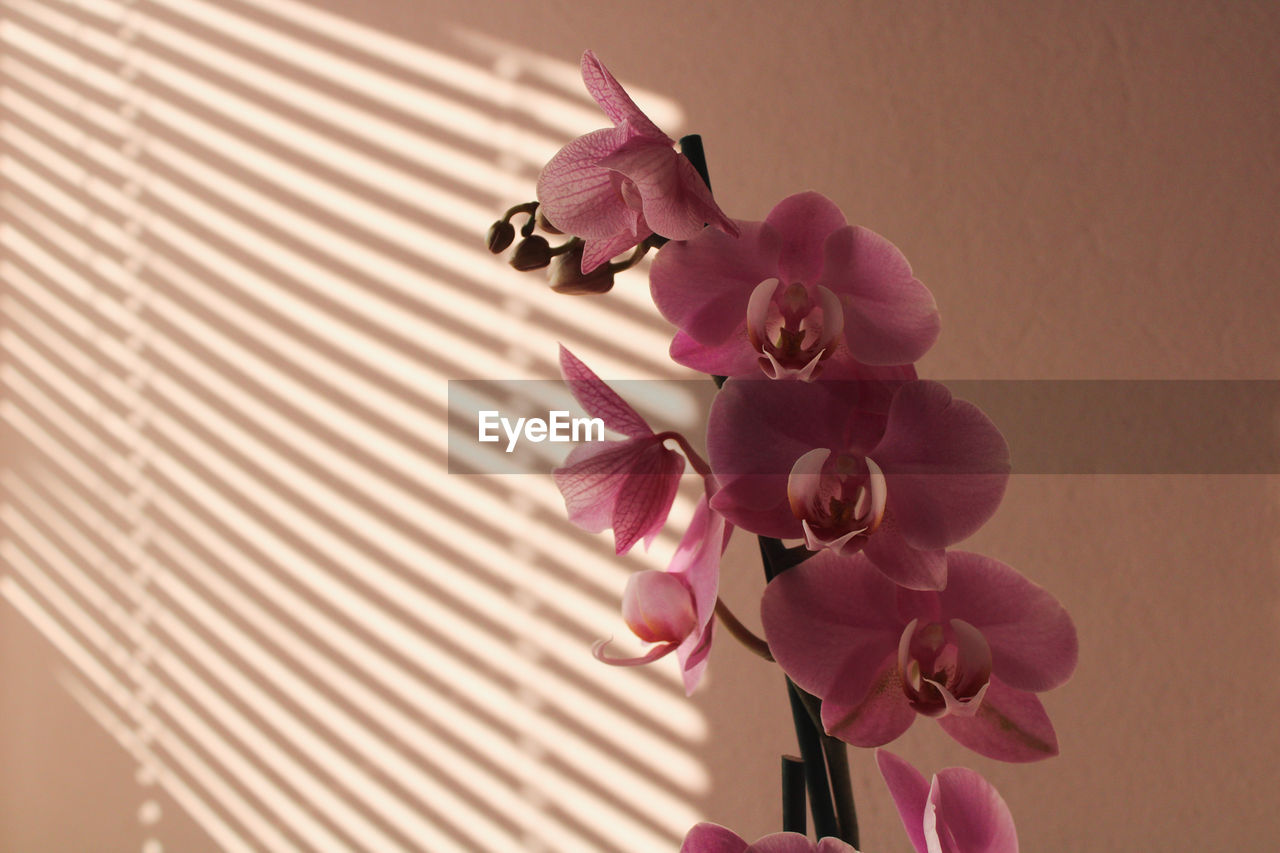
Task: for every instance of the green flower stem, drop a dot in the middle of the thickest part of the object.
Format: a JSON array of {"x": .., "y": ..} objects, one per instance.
[
  {"x": 793, "y": 798},
  {"x": 826, "y": 760},
  {"x": 815, "y": 767},
  {"x": 837, "y": 755},
  {"x": 808, "y": 735},
  {"x": 691, "y": 148}
]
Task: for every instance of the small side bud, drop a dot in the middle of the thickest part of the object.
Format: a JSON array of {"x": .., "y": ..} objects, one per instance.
[
  {"x": 532, "y": 253},
  {"x": 566, "y": 274},
  {"x": 500, "y": 236}
]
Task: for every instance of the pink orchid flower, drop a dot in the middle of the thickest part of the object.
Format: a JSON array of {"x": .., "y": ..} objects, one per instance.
[
  {"x": 973, "y": 655},
  {"x": 628, "y": 485},
  {"x": 675, "y": 609},
  {"x": 616, "y": 186},
  {"x": 898, "y": 469},
  {"x": 799, "y": 294},
  {"x": 957, "y": 812},
  {"x": 713, "y": 838}
]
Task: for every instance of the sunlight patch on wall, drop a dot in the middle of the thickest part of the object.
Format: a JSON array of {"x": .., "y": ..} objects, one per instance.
[{"x": 242, "y": 257}]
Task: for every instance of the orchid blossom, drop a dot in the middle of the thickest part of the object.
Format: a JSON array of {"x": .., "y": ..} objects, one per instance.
[
  {"x": 628, "y": 485},
  {"x": 675, "y": 609},
  {"x": 617, "y": 186},
  {"x": 956, "y": 812},
  {"x": 898, "y": 469},
  {"x": 799, "y": 294},
  {"x": 713, "y": 838},
  {"x": 973, "y": 655}
]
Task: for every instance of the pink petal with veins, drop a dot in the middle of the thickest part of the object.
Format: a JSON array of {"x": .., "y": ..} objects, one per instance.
[
  {"x": 627, "y": 485},
  {"x": 974, "y": 814},
  {"x": 728, "y": 358},
  {"x": 913, "y": 568},
  {"x": 702, "y": 286},
  {"x": 712, "y": 838},
  {"x": 910, "y": 792},
  {"x": 1011, "y": 725},
  {"x": 803, "y": 222},
  {"x": 599, "y": 400},
  {"x": 958, "y": 812},
  {"x": 891, "y": 318},
  {"x": 578, "y": 196},
  {"x": 880, "y": 716},
  {"x": 945, "y": 462},
  {"x": 1032, "y": 638},
  {"x": 676, "y": 201},
  {"x": 697, "y": 561},
  {"x": 831, "y": 623},
  {"x": 614, "y": 100}
]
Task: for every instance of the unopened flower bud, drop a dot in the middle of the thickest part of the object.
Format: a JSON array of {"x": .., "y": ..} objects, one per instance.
[
  {"x": 500, "y": 236},
  {"x": 532, "y": 253},
  {"x": 658, "y": 607},
  {"x": 566, "y": 274}
]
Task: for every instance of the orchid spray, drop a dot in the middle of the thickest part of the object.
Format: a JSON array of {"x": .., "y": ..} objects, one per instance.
[{"x": 856, "y": 476}]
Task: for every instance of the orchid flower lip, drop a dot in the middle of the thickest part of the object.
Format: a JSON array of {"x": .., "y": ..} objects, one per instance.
[
  {"x": 945, "y": 669},
  {"x": 656, "y": 653},
  {"x": 791, "y": 332},
  {"x": 839, "y": 499}
]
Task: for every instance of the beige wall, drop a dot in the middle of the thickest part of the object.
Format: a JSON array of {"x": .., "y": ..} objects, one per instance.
[{"x": 1090, "y": 190}]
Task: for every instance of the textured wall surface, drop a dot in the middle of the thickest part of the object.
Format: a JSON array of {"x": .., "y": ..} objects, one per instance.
[{"x": 1092, "y": 191}]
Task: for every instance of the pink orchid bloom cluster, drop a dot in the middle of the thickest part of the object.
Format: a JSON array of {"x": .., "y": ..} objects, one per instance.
[{"x": 824, "y": 443}]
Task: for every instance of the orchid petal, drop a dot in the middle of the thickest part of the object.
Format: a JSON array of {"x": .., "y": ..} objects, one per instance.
[
  {"x": 945, "y": 462},
  {"x": 937, "y": 837},
  {"x": 1011, "y": 725},
  {"x": 794, "y": 842},
  {"x": 697, "y": 560},
  {"x": 805, "y": 480},
  {"x": 592, "y": 477},
  {"x": 580, "y": 197},
  {"x": 833, "y": 319},
  {"x": 910, "y": 792},
  {"x": 614, "y": 100},
  {"x": 756, "y": 431},
  {"x": 1031, "y": 636},
  {"x": 731, "y": 357},
  {"x": 878, "y": 718},
  {"x": 598, "y": 399},
  {"x": 702, "y": 286},
  {"x": 627, "y": 485},
  {"x": 758, "y": 310},
  {"x": 713, "y": 838},
  {"x": 677, "y": 204},
  {"x": 803, "y": 221},
  {"x": 976, "y": 816},
  {"x": 890, "y": 317},
  {"x": 646, "y": 496},
  {"x": 913, "y": 568},
  {"x": 829, "y": 623},
  {"x": 599, "y": 250}
]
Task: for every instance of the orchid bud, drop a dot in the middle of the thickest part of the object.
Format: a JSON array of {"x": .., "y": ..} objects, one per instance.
[
  {"x": 532, "y": 253},
  {"x": 658, "y": 607},
  {"x": 566, "y": 274},
  {"x": 500, "y": 236}
]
